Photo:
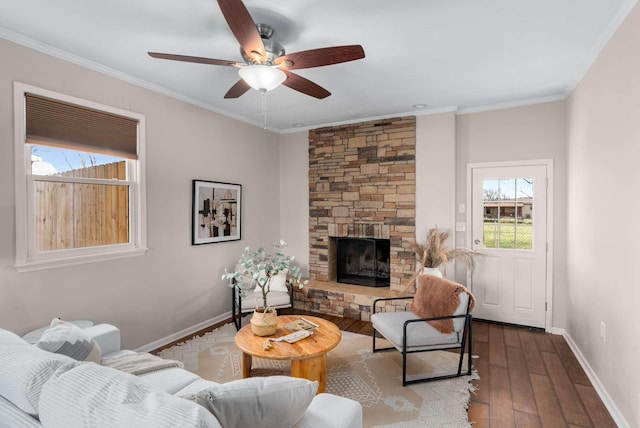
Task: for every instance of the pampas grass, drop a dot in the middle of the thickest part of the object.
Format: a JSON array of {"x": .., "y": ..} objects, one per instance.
[{"x": 434, "y": 252}]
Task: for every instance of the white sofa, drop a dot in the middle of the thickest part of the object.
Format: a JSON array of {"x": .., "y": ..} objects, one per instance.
[{"x": 45, "y": 389}]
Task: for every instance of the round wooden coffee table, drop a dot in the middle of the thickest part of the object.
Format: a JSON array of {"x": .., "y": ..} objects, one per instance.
[{"x": 308, "y": 356}]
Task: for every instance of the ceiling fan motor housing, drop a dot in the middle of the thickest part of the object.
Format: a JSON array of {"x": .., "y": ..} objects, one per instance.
[{"x": 273, "y": 48}]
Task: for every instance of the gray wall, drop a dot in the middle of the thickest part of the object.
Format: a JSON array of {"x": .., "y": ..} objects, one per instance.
[
  {"x": 445, "y": 143},
  {"x": 603, "y": 231},
  {"x": 175, "y": 285},
  {"x": 522, "y": 133}
]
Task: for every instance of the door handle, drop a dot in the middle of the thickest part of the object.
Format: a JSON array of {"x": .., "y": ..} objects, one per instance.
[{"x": 477, "y": 242}]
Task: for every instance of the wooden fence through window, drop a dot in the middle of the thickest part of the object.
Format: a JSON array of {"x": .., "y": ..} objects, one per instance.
[{"x": 78, "y": 215}]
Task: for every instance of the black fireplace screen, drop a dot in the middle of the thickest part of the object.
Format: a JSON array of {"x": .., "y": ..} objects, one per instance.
[{"x": 363, "y": 261}]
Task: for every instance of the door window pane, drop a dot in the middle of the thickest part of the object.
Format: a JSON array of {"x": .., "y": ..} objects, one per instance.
[{"x": 508, "y": 213}]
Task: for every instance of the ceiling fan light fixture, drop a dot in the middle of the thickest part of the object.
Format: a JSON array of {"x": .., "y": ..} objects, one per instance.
[{"x": 262, "y": 77}]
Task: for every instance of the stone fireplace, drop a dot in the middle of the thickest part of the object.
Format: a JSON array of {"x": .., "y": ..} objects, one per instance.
[{"x": 362, "y": 185}]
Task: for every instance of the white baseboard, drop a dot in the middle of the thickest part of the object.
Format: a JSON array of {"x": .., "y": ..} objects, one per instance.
[
  {"x": 183, "y": 333},
  {"x": 595, "y": 381},
  {"x": 557, "y": 331}
]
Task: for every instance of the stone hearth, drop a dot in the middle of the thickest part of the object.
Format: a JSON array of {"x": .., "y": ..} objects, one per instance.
[{"x": 349, "y": 301}]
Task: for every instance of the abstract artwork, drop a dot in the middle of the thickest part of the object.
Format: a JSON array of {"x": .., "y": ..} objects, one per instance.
[{"x": 215, "y": 212}]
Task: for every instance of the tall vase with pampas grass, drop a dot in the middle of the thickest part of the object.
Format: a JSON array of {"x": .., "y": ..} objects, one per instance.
[{"x": 434, "y": 253}]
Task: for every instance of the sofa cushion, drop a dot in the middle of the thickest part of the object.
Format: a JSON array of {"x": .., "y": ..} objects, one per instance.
[
  {"x": 12, "y": 416},
  {"x": 274, "y": 299},
  {"x": 68, "y": 339},
  {"x": 170, "y": 380},
  {"x": 275, "y": 401},
  {"x": 328, "y": 410},
  {"x": 196, "y": 386},
  {"x": 421, "y": 336},
  {"x": 86, "y": 394},
  {"x": 23, "y": 371}
]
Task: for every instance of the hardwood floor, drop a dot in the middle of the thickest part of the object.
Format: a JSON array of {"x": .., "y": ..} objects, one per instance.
[{"x": 527, "y": 378}]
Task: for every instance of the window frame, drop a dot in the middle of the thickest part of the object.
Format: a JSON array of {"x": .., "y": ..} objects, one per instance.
[{"x": 27, "y": 258}]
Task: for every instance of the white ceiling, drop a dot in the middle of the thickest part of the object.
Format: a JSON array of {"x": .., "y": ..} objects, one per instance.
[{"x": 448, "y": 54}]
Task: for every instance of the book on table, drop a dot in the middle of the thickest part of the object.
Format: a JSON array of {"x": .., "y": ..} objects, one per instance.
[{"x": 300, "y": 324}]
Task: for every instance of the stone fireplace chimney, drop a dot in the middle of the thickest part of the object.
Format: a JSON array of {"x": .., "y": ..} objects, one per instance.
[{"x": 362, "y": 185}]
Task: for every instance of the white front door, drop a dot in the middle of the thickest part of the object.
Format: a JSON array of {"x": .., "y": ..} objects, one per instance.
[{"x": 509, "y": 226}]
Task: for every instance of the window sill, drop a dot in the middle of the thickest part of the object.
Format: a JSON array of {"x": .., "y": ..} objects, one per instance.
[{"x": 36, "y": 265}]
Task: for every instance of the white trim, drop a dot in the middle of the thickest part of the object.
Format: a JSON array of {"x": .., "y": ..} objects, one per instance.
[
  {"x": 27, "y": 259},
  {"x": 512, "y": 104},
  {"x": 617, "y": 416},
  {"x": 548, "y": 163},
  {"x": 558, "y": 331},
  {"x": 427, "y": 112},
  {"x": 623, "y": 11},
  {"x": 20, "y": 166},
  {"x": 91, "y": 65},
  {"x": 44, "y": 264},
  {"x": 100, "y": 68},
  {"x": 183, "y": 333},
  {"x": 81, "y": 180}
]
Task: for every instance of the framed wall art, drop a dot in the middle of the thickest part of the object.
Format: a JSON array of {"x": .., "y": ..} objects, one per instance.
[{"x": 216, "y": 212}]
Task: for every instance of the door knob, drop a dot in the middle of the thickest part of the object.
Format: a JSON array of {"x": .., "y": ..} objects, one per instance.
[{"x": 477, "y": 242}]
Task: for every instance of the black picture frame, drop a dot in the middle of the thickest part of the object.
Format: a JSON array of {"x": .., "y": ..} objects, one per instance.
[{"x": 216, "y": 212}]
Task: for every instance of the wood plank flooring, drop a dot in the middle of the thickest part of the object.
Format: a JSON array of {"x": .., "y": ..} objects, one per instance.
[{"x": 527, "y": 378}]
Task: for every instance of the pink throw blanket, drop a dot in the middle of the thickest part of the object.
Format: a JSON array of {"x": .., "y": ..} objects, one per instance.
[{"x": 438, "y": 297}]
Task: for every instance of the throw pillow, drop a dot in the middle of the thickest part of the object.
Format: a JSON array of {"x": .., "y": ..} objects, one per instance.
[
  {"x": 277, "y": 283},
  {"x": 274, "y": 401},
  {"x": 24, "y": 370},
  {"x": 65, "y": 338}
]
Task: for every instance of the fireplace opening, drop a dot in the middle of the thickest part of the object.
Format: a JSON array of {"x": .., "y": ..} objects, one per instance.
[{"x": 363, "y": 261}]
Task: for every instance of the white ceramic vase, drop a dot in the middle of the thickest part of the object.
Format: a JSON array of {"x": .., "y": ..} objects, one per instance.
[{"x": 431, "y": 271}]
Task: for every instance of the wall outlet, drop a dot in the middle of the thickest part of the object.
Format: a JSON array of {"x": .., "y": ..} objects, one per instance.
[{"x": 603, "y": 331}]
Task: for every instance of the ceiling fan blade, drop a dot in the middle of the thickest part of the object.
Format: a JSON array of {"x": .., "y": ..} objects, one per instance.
[
  {"x": 238, "y": 89},
  {"x": 196, "y": 59},
  {"x": 243, "y": 28},
  {"x": 320, "y": 57},
  {"x": 306, "y": 86}
]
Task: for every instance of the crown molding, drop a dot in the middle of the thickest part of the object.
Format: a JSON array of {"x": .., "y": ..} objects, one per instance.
[
  {"x": 425, "y": 112},
  {"x": 100, "y": 68},
  {"x": 512, "y": 104},
  {"x": 602, "y": 42}
]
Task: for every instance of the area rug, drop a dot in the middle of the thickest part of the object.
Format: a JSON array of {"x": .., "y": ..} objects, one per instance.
[{"x": 353, "y": 371}]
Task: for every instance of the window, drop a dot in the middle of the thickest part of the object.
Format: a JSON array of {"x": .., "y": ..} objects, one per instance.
[
  {"x": 79, "y": 180},
  {"x": 508, "y": 213}
]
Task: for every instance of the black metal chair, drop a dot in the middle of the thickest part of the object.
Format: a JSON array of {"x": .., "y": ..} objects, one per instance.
[
  {"x": 410, "y": 334},
  {"x": 252, "y": 300}
]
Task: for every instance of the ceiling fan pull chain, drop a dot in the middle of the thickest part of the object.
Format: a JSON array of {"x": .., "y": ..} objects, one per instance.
[{"x": 263, "y": 94}]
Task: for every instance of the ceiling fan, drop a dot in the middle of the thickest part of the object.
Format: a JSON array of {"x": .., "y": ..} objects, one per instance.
[{"x": 266, "y": 65}]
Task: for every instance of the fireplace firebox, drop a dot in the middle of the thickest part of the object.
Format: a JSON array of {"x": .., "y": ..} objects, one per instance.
[{"x": 363, "y": 261}]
